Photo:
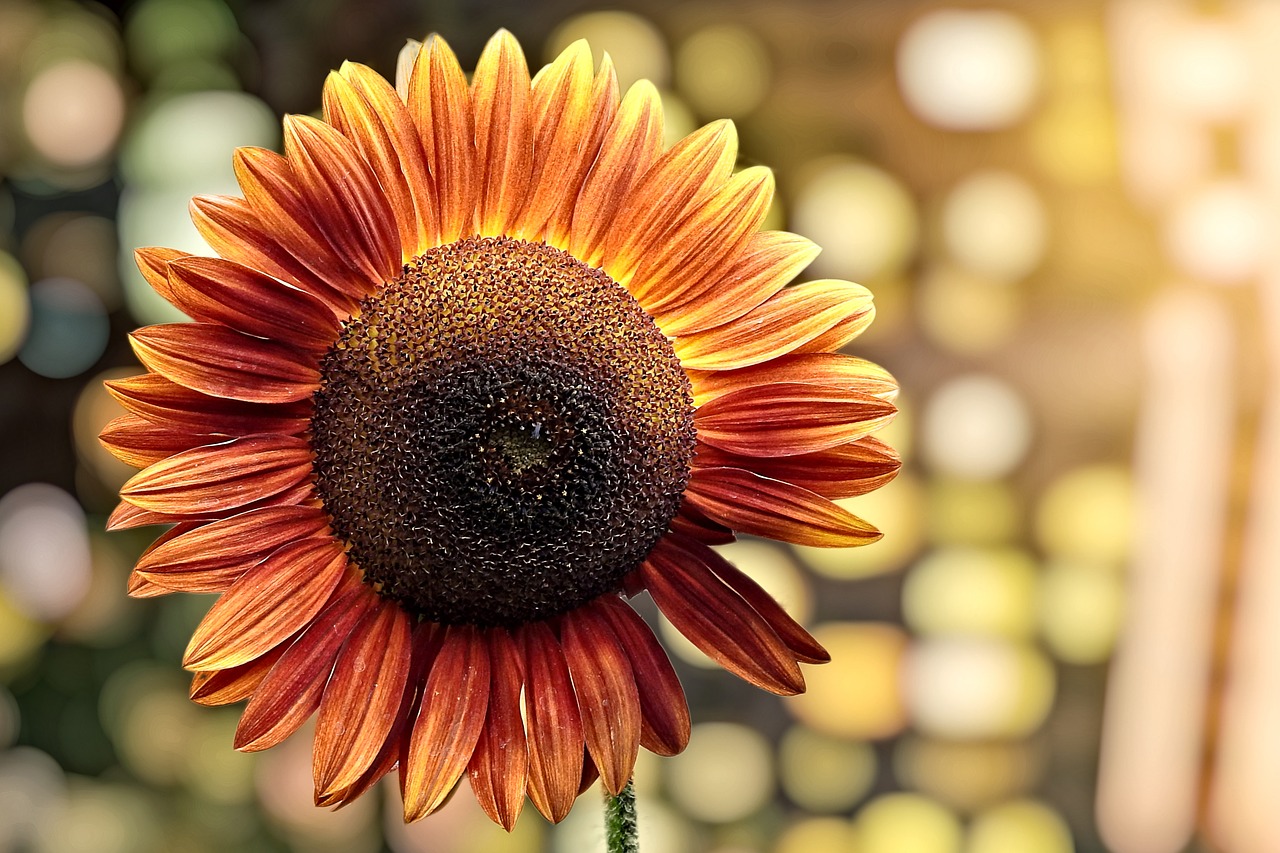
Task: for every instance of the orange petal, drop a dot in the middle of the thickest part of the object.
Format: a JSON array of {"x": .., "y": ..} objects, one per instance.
[
  {"x": 828, "y": 368},
  {"x": 166, "y": 403},
  {"x": 224, "y": 686},
  {"x": 695, "y": 167},
  {"x": 499, "y": 766},
  {"x": 553, "y": 723},
  {"x": 344, "y": 196},
  {"x": 576, "y": 128},
  {"x": 753, "y": 504},
  {"x": 789, "y": 418},
  {"x": 761, "y": 267},
  {"x": 449, "y": 721},
  {"x": 138, "y": 442},
  {"x": 440, "y": 105},
  {"x": 690, "y": 522},
  {"x": 237, "y": 233},
  {"x": 220, "y": 291},
  {"x": 222, "y": 476},
  {"x": 153, "y": 263},
  {"x": 716, "y": 619},
  {"x": 285, "y": 204},
  {"x": 292, "y": 690},
  {"x": 629, "y": 147},
  {"x": 360, "y": 701},
  {"x": 213, "y": 556},
  {"x": 840, "y": 472},
  {"x": 785, "y": 323},
  {"x": 221, "y": 362},
  {"x": 126, "y": 516},
  {"x": 607, "y": 695},
  {"x": 801, "y": 643},
  {"x": 705, "y": 242},
  {"x": 504, "y": 142},
  {"x": 269, "y": 603},
  {"x": 664, "y": 712},
  {"x": 140, "y": 587}
]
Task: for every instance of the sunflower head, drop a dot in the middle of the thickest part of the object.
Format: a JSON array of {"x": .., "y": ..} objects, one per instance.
[{"x": 475, "y": 364}]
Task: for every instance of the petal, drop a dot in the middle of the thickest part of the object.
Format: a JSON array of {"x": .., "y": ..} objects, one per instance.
[
  {"x": 695, "y": 167},
  {"x": 292, "y": 690},
  {"x": 373, "y": 135},
  {"x": 138, "y": 442},
  {"x": 789, "y": 418},
  {"x": 828, "y": 368},
  {"x": 405, "y": 62},
  {"x": 690, "y": 522},
  {"x": 441, "y": 107},
  {"x": 763, "y": 266},
  {"x": 272, "y": 601},
  {"x": 140, "y": 587},
  {"x": 221, "y": 362},
  {"x": 449, "y": 721},
  {"x": 574, "y": 111},
  {"x": 153, "y": 263},
  {"x": 286, "y": 205},
  {"x": 607, "y": 695},
  {"x": 750, "y": 503},
  {"x": 224, "y": 686},
  {"x": 126, "y": 516},
  {"x": 343, "y": 196},
  {"x": 499, "y": 767},
  {"x": 361, "y": 699},
  {"x": 785, "y": 323},
  {"x": 664, "y": 712},
  {"x": 704, "y": 242},
  {"x": 716, "y": 619},
  {"x": 237, "y": 233},
  {"x": 504, "y": 142},
  {"x": 213, "y": 556},
  {"x": 166, "y": 403},
  {"x": 631, "y": 145},
  {"x": 220, "y": 291},
  {"x": 553, "y": 723},
  {"x": 840, "y": 472},
  {"x": 797, "y": 639},
  {"x": 222, "y": 476}
]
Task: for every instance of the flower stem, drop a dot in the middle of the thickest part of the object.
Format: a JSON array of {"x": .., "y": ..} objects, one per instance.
[{"x": 620, "y": 821}]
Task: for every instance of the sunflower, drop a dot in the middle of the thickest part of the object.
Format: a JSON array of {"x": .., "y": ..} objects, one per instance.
[{"x": 476, "y": 364}]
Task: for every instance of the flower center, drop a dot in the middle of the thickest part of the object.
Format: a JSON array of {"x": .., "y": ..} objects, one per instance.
[{"x": 500, "y": 434}]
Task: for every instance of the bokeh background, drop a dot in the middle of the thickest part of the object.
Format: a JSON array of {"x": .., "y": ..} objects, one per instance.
[{"x": 1068, "y": 639}]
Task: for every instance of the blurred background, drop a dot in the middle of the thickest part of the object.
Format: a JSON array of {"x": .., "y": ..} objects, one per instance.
[{"x": 1067, "y": 639}]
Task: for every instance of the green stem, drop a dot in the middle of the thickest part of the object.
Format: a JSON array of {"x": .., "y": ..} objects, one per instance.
[{"x": 620, "y": 821}]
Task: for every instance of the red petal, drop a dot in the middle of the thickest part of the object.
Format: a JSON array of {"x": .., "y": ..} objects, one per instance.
[
  {"x": 789, "y": 418},
  {"x": 291, "y": 691},
  {"x": 224, "y": 686},
  {"x": 219, "y": 291},
  {"x": 213, "y": 556},
  {"x": 343, "y": 196},
  {"x": 717, "y": 620},
  {"x": 690, "y": 522},
  {"x": 222, "y": 476},
  {"x": 607, "y": 696},
  {"x": 138, "y": 442},
  {"x": 221, "y": 362},
  {"x": 664, "y": 711},
  {"x": 499, "y": 767},
  {"x": 798, "y": 640},
  {"x": 840, "y": 472},
  {"x": 449, "y": 721},
  {"x": 828, "y": 368},
  {"x": 153, "y": 263},
  {"x": 237, "y": 233},
  {"x": 269, "y": 603},
  {"x": 170, "y": 405},
  {"x": 553, "y": 723},
  {"x": 760, "y": 506},
  {"x": 781, "y": 325},
  {"x": 360, "y": 701}
]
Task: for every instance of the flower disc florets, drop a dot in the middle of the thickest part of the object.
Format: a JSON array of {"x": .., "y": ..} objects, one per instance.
[{"x": 500, "y": 434}]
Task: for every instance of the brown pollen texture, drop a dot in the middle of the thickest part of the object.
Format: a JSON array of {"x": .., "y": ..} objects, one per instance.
[{"x": 500, "y": 434}]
